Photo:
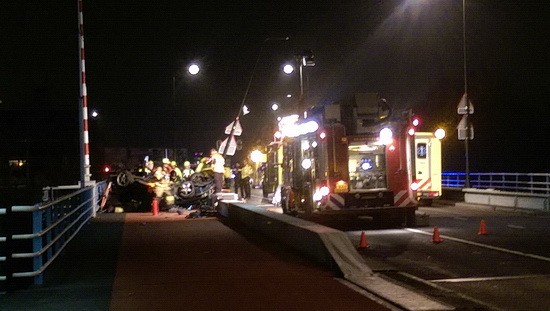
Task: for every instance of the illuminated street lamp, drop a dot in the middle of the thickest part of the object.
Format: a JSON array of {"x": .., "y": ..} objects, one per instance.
[
  {"x": 305, "y": 59},
  {"x": 193, "y": 69}
]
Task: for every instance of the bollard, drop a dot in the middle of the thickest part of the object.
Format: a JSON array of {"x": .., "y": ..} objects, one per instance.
[{"x": 155, "y": 207}]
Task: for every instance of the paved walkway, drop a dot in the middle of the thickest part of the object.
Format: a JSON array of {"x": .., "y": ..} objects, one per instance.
[{"x": 167, "y": 262}]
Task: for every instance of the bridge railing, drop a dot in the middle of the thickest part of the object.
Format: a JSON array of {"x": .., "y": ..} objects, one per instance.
[
  {"x": 35, "y": 235},
  {"x": 537, "y": 183}
]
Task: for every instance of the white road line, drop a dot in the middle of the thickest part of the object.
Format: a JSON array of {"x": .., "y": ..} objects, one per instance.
[
  {"x": 494, "y": 278},
  {"x": 371, "y": 296},
  {"x": 496, "y": 248},
  {"x": 461, "y": 218},
  {"x": 515, "y": 227},
  {"x": 447, "y": 290}
]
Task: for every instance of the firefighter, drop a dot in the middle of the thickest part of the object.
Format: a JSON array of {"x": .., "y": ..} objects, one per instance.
[
  {"x": 218, "y": 166},
  {"x": 162, "y": 186},
  {"x": 187, "y": 170},
  {"x": 246, "y": 175},
  {"x": 177, "y": 171},
  {"x": 237, "y": 179},
  {"x": 149, "y": 168}
]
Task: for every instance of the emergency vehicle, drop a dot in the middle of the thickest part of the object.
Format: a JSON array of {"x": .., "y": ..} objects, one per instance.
[{"x": 355, "y": 157}]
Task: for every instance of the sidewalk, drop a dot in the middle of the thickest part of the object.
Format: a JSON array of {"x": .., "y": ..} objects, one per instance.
[{"x": 168, "y": 262}]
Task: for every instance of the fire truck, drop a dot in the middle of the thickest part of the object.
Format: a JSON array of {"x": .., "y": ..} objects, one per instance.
[{"x": 355, "y": 158}]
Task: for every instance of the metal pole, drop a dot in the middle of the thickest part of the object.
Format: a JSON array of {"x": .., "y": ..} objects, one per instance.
[
  {"x": 84, "y": 137},
  {"x": 466, "y": 151},
  {"x": 301, "y": 99},
  {"x": 231, "y": 133}
]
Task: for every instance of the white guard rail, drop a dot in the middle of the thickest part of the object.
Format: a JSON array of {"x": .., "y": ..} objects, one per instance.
[{"x": 515, "y": 182}]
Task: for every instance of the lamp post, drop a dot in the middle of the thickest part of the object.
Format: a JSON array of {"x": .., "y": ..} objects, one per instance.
[
  {"x": 467, "y": 101},
  {"x": 305, "y": 59},
  {"x": 193, "y": 69}
]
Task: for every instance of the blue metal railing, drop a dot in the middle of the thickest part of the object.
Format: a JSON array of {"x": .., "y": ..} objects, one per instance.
[
  {"x": 54, "y": 224},
  {"x": 516, "y": 182}
]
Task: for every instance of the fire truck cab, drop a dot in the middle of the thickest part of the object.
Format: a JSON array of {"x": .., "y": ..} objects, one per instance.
[{"x": 347, "y": 159}]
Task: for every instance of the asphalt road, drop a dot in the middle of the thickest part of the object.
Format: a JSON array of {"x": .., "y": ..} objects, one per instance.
[{"x": 506, "y": 269}]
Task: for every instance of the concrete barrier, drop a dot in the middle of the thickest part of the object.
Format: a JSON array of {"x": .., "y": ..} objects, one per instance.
[
  {"x": 523, "y": 200},
  {"x": 327, "y": 246}
]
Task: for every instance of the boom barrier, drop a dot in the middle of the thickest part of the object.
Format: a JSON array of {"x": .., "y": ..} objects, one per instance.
[{"x": 33, "y": 236}]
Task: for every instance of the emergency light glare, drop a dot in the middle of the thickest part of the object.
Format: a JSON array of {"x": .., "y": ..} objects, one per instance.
[
  {"x": 314, "y": 144},
  {"x": 256, "y": 156},
  {"x": 106, "y": 169},
  {"x": 416, "y": 122},
  {"x": 324, "y": 191},
  {"x": 411, "y": 131},
  {"x": 386, "y": 136},
  {"x": 365, "y": 166},
  {"x": 440, "y": 134},
  {"x": 317, "y": 196},
  {"x": 392, "y": 148},
  {"x": 306, "y": 164},
  {"x": 414, "y": 186},
  {"x": 323, "y": 135}
]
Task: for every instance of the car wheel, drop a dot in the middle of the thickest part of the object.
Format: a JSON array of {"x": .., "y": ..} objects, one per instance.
[
  {"x": 186, "y": 189},
  {"x": 124, "y": 179}
]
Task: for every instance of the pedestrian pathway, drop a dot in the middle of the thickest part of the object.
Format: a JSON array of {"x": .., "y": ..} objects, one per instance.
[{"x": 168, "y": 262}]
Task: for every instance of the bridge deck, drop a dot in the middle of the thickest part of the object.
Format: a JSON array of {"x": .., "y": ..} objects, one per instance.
[{"x": 167, "y": 262}]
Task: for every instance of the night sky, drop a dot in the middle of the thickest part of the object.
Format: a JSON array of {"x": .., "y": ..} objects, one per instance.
[{"x": 410, "y": 52}]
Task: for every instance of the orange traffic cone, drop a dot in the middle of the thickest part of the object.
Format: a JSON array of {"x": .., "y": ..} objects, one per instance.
[
  {"x": 155, "y": 207},
  {"x": 482, "y": 228},
  {"x": 363, "y": 243},
  {"x": 436, "y": 238}
]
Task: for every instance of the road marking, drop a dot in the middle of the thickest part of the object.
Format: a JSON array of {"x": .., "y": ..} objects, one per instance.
[
  {"x": 447, "y": 290},
  {"x": 369, "y": 295},
  {"x": 494, "y": 278},
  {"x": 515, "y": 227},
  {"x": 496, "y": 248}
]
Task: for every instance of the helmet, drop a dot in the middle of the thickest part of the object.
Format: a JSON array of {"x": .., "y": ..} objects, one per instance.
[
  {"x": 165, "y": 161},
  {"x": 173, "y": 163},
  {"x": 186, "y": 164}
]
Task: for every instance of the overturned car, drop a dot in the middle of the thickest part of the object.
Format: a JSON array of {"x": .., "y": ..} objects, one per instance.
[{"x": 192, "y": 192}]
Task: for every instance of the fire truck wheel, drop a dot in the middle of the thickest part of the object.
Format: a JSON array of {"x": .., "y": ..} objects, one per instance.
[
  {"x": 124, "y": 179},
  {"x": 186, "y": 189}
]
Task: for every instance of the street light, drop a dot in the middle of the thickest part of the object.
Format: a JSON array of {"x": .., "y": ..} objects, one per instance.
[
  {"x": 305, "y": 59},
  {"x": 193, "y": 69},
  {"x": 467, "y": 101}
]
